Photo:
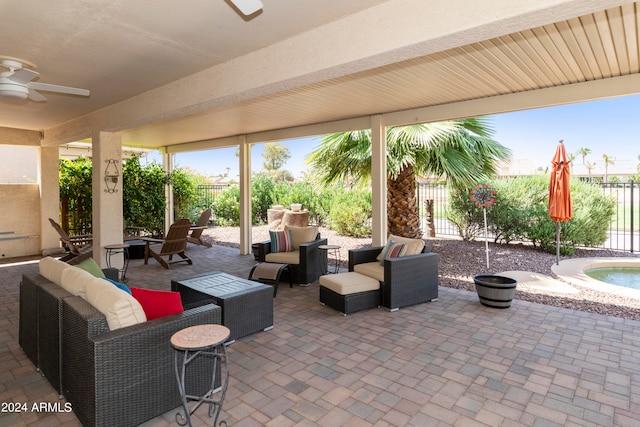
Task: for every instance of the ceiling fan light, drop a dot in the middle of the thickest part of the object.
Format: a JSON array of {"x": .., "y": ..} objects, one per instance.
[{"x": 12, "y": 90}]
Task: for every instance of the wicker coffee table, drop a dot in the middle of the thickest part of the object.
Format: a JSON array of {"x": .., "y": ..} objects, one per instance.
[{"x": 247, "y": 306}]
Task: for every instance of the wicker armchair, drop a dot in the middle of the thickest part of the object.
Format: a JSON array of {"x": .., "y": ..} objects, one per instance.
[
  {"x": 406, "y": 281},
  {"x": 305, "y": 263}
]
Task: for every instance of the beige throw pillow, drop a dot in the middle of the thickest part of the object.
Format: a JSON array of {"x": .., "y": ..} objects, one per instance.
[{"x": 301, "y": 235}]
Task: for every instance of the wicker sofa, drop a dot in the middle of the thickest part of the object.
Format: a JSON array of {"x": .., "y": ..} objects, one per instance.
[
  {"x": 305, "y": 262},
  {"x": 119, "y": 377},
  {"x": 404, "y": 280}
]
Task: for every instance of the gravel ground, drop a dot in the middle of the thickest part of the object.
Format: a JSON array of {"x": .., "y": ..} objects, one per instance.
[{"x": 459, "y": 261}]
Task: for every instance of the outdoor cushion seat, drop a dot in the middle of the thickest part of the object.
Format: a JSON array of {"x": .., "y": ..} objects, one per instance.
[
  {"x": 349, "y": 292},
  {"x": 283, "y": 257},
  {"x": 372, "y": 269}
]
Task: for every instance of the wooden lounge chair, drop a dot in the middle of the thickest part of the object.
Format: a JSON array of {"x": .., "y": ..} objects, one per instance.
[
  {"x": 175, "y": 243},
  {"x": 77, "y": 245},
  {"x": 196, "y": 232}
]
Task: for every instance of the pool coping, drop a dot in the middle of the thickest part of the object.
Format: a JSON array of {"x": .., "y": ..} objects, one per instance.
[{"x": 572, "y": 271}]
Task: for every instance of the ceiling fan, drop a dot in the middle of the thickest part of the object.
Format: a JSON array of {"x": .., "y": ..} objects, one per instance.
[
  {"x": 16, "y": 83},
  {"x": 247, "y": 7}
]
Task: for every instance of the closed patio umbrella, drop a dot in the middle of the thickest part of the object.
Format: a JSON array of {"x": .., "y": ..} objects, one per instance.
[{"x": 559, "y": 193}]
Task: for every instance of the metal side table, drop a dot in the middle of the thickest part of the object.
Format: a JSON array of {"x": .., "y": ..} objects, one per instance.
[
  {"x": 116, "y": 249},
  {"x": 190, "y": 343},
  {"x": 330, "y": 250}
]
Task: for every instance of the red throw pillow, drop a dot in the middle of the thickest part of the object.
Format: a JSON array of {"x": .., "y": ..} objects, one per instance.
[{"x": 158, "y": 303}]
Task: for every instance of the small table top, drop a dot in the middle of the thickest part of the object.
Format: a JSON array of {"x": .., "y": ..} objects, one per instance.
[
  {"x": 199, "y": 337},
  {"x": 117, "y": 246},
  {"x": 221, "y": 285},
  {"x": 327, "y": 247}
]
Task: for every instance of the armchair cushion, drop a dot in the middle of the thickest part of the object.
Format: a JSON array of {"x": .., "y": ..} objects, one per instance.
[
  {"x": 158, "y": 304},
  {"x": 283, "y": 257},
  {"x": 300, "y": 235},
  {"x": 372, "y": 269},
  {"x": 281, "y": 241}
]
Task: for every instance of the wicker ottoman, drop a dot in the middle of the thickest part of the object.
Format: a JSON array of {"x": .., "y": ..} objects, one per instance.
[{"x": 349, "y": 292}]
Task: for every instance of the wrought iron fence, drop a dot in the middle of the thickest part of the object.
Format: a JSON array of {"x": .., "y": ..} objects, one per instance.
[
  {"x": 208, "y": 192},
  {"x": 623, "y": 232}
]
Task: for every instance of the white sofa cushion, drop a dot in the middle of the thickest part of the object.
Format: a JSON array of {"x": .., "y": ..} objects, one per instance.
[
  {"x": 283, "y": 257},
  {"x": 349, "y": 283},
  {"x": 51, "y": 269},
  {"x": 371, "y": 269},
  {"x": 300, "y": 235},
  {"x": 74, "y": 280},
  {"x": 120, "y": 308}
]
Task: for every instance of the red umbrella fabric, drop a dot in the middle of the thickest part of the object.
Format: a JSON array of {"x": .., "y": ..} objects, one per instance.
[{"x": 559, "y": 194}]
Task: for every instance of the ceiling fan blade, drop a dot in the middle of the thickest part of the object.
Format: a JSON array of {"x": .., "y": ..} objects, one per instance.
[
  {"x": 248, "y": 7},
  {"x": 57, "y": 88},
  {"x": 23, "y": 76},
  {"x": 35, "y": 96}
]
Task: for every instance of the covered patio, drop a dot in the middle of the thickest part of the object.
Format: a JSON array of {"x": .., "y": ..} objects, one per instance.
[{"x": 451, "y": 362}]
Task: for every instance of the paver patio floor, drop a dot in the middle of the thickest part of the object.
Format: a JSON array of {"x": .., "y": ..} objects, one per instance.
[{"x": 452, "y": 362}]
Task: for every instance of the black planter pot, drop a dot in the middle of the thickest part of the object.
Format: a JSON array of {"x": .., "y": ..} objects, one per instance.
[{"x": 495, "y": 291}]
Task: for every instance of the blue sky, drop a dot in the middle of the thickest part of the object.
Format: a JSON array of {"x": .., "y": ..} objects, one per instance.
[{"x": 606, "y": 127}]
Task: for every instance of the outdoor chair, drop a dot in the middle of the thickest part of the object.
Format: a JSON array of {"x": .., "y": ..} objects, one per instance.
[
  {"x": 175, "y": 243},
  {"x": 201, "y": 225},
  {"x": 305, "y": 260},
  {"x": 404, "y": 280},
  {"x": 77, "y": 245}
]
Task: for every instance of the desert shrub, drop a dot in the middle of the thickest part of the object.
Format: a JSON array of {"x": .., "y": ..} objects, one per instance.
[
  {"x": 226, "y": 206},
  {"x": 262, "y": 192},
  {"x": 521, "y": 214},
  {"x": 350, "y": 214}
]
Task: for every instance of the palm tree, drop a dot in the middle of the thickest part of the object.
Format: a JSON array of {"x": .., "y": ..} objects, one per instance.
[
  {"x": 608, "y": 160},
  {"x": 583, "y": 152},
  {"x": 590, "y": 167},
  {"x": 460, "y": 150}
]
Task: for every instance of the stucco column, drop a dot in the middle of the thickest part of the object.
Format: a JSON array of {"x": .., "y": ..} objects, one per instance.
[
  {"x": 48, "y": 177},
  {"x": 169, "y": 215},
  {"x": 245, "y": 195},
  {"x": 108, "y": 223},
  {"x": 378, "y": 181}
]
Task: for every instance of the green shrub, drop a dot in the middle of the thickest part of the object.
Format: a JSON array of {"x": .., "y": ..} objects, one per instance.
[
  {"x": 350, "y": 214},
  {"x": 226, "y": 206},
  {"x": 521, "y": 214}
]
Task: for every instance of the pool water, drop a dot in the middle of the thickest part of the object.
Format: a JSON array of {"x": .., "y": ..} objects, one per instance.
[{"x": 629, "y": 277}]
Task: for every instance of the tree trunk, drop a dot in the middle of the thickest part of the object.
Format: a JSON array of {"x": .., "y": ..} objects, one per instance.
[{"x": 402, "y": 207}]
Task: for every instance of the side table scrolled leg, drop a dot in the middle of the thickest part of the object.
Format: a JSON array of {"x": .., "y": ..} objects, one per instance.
[{"x": 189, "y": 344}]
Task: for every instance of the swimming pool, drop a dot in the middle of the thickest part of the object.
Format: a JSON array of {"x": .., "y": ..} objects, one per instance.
[
  {"x": 575, "y": 272},
  {"x": 629, "y": 277}
]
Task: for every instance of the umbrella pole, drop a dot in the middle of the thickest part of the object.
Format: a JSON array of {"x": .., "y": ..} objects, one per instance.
[
  {"x": 557, "y": 243},
  {"x": 486, "y": 240}
]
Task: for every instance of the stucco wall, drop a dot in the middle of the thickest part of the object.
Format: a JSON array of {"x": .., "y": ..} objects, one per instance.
[{"x": 19, "y": 220}]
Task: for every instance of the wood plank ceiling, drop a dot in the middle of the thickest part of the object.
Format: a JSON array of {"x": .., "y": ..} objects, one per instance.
[{"x": 593, "y": 47}]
